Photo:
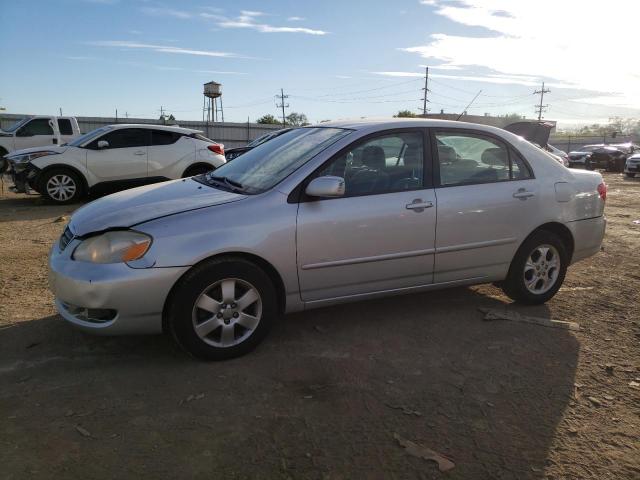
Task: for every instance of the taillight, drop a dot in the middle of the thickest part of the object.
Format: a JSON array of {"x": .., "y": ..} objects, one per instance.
[
  {"x": 217, "y": 148},
  {"x": 602, "y": 191}
]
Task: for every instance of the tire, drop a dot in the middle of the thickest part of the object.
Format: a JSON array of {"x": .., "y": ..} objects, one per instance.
[
  {"x": 529, "y": 263},
  {"x": 197, "y": 170},
  {"x": 588, "y": 165},
  {"x": 630, "y": 174},
  {"x": 61, "y": 186},
  {"x": 207, "y": 315}
]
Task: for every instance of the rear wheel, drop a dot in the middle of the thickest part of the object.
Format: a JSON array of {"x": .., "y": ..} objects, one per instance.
[
  {"x": 222, "y": 309},
  {"x": 538, "y": 269},
  {"x": 630, "y": 175},
  {"x": 61, "y": 186},
  {"x": 197, "y": 170}
]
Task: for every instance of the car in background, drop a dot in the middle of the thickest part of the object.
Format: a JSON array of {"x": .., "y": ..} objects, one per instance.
[
  {"x": 632, "y": 166},
  {"x": 606, "y": 157},
  {"x": 537, "y": 132},
  {"x": 113, "y": 157},
  {"x": 320, "y": 216},
  {"x": 232, "y": 153},
  {"x": 579, "y": 157},
  {"x": 38, "y": 131},
  {"x": 562, "y": 156},
  {"x": 628, "y": 147}
]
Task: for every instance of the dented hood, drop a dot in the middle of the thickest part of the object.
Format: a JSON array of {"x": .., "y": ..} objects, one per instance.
[
  {"x": 533, "y": 131},
  {"x": 137, "y": 205}
]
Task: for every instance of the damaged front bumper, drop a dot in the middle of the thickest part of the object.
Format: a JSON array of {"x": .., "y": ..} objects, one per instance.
[{"x": 24, "y": 177}]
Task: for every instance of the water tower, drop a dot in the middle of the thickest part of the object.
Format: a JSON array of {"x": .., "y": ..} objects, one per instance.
[{"x": 212, "y": 103}]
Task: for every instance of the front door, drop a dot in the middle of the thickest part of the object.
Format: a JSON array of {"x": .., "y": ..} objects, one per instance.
[
  {"x": 123, "y": 158},
  {"x": 380, "y": 235},
  {"x": 488, "y": 201},
  {"x": 38, "y": 132}
]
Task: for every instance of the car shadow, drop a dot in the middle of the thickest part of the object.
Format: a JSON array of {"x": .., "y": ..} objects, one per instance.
[
  {"x": 324, "y": 395},
  {"x": 17, "y": 207}
]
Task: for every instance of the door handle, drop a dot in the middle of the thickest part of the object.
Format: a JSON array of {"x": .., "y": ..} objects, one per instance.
[
  {"x": 523, "y": 194},
  {"x": 418, "y": 205},
  {"x": 139, "y": 153}
]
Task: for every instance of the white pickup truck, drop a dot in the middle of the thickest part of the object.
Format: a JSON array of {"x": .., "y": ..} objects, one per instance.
[{"x": 38, "y": 131}]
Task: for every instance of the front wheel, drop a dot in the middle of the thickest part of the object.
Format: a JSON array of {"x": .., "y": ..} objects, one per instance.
[
  {"x": 61, "y": 186},
  {"x": 222, "y": 308},
  {"x": 538, "y": 269},
  {"x": 588, "y": 165},
  {"x": 630, "y": 174}
]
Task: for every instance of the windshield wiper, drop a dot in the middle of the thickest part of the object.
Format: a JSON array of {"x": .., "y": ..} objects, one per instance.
[{"x": 230, "y": 183}]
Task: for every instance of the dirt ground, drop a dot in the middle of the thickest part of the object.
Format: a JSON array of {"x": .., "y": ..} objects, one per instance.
[{"x": 324, "y": 395}]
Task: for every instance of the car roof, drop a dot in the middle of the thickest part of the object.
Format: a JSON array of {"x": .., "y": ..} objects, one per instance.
[
  {"x": 169, "y": 128},
  {"x": 390, "y": 123}
]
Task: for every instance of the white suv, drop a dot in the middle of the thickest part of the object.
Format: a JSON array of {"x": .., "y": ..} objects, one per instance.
[{"x": 113, "y": 157}]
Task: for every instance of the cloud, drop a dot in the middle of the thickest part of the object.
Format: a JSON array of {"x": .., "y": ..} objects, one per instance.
[
  {"x": 399, "y": 74},
  {"x": 247, "y": 19},
  {"x": 428, "y": 2},
  {"x": 524, "y": 39},
  {"x": 166, "y": 12},
  {"x": 295, "y": 19},
  {"x": 163, "y": 48}
]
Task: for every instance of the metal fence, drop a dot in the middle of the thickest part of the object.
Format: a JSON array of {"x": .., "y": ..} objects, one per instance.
[{"x": 230, "y": 134}]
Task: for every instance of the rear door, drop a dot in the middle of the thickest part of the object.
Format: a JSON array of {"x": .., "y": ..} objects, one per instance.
[
  {"x": 488, "y": 201},
  {"x": 125, "y": 157},
  {"x": 38, "y": 132},
  {"x": 380, "y": 235},
  {"x": 169, "y": 154}
]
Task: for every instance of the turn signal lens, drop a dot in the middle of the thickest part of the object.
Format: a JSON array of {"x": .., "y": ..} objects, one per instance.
[{"x": 113, "y": 247}]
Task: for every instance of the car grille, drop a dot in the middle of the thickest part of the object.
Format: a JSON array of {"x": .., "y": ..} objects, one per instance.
[{"x": 66, "y": 237}]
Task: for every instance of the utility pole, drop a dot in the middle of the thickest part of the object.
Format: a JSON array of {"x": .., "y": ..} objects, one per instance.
[
  {"x": 541, "y": 108},
  {"x": 116, "y": 115},
  {"x": 283, "y": 105},
  {"x": 60, "y": 111},
  {"x": 426, "y": 90}
]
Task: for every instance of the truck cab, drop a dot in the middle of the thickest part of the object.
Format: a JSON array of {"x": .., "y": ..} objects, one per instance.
[{"x": 38, "y": 131}]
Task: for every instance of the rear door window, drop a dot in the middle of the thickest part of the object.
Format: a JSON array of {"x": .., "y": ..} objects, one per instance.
[
  {"x": 64, "y": 125},
  {"x": 164, "y": 137}
]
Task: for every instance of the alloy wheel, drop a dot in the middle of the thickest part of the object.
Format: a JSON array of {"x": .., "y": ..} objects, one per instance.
[
  {"x": 61, "y": 187},
  {"x": 541, "y": 269},
  {"x": 227, "y": 312}
]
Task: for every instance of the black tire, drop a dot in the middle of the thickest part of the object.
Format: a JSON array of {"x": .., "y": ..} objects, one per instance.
[
  {"x": 197, "y": 170},
  {"x": 4, "y": 163},
  {"x": 61, "y": 173},
  {"x": 630, "y": 175},
  {"x": 182, "y": 314},
  {"x": 588, "y": 165},
  {"x": 514, "y": 285}
]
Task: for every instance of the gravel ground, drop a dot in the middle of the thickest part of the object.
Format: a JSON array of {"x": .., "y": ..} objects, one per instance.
[{"x": 325, "y": 394}]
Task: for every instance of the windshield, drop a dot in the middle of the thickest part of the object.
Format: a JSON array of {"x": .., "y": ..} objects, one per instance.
[
  {"x": 266, "y": 165},
  {"x": 88, "y": 136},
  {"x": 17, "y": 125}
]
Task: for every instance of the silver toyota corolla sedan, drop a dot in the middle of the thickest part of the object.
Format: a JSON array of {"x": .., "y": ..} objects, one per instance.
[{"x": 321, "y": 215}]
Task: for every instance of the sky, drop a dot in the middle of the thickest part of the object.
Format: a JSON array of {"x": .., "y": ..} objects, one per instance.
[{"x": 334, "y": 59}]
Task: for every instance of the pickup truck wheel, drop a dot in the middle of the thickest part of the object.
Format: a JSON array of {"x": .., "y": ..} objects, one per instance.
[
  {"x": 222, "y": 309},
  {"x": 538, "y": 269},
  {"x": 61, "y": 186}
]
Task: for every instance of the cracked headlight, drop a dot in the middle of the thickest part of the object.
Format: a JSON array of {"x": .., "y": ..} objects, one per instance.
[
  {"x": 27, "y": 157},
  {"x": 113, "y": 247}
]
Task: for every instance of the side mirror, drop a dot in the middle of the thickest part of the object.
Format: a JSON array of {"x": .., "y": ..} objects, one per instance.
[
  {"x": 102, "y": 144},
  {"x": 326, "y": 187}
]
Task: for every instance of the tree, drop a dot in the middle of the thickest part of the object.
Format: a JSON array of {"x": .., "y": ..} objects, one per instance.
[
  {"x": 513, "y": 117},
  {"x": 405, "y": 114},
  {"x": 268, "y": 119},
  {"x": 297, "y": 119}
]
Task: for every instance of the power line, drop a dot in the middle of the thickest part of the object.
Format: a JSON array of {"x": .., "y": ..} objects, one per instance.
[
  {"x": 283, "y": 105},
  {"x": 540, "y": 109}
]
